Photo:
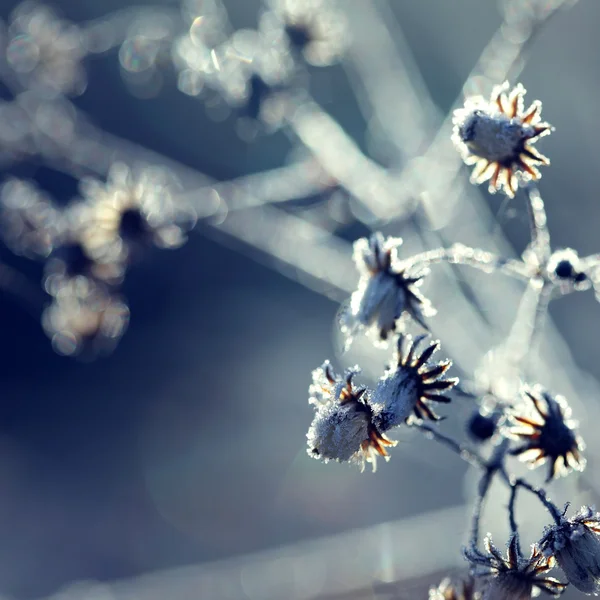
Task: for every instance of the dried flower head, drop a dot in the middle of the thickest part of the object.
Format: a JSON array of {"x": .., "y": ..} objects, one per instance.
[
  {"x": 575, "y": 543},
  {"x": 343, "y": 428},
  {"x": 386, "y": 290},
  {"x": 130, "y": 212},
  {"x": 498, "y": 136},
  {"x": 514, "y": 577},
  {"x": 407, "y": 388},
  {"x": 448, "y": 591},
  {"x": 45, "y": 52},
  {"x": 310, "y": 27},
  {"x": 543, "y": 422},
  {"x": 85, "y": 318},
  {"x": 29, "y": 221}
]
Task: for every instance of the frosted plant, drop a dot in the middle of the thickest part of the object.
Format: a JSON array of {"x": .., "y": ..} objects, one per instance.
[
  {"x": 387, "y": 290},
  {"x": 264, "y": 76},
  {"x": 546, "y": 433},
  {"x": 344, "y": 427},
  {"x": 516, "y": 576},
  {"x": 408, "y": 388},
  {"x": 497, "y": 136},
  {"x": 575, "y": 544}
]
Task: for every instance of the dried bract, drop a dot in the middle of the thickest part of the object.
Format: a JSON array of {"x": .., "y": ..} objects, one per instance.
[
  {"x": 386, "y": 290},
  {"x": 343, "y": 428},
  {"x": 543, "y": 423},
  {"x": 497, "y": 136},
  {"x": 407, "y": 388},
  {"x": 514, "y": 577},
  {"x": 575, "y": 544}
]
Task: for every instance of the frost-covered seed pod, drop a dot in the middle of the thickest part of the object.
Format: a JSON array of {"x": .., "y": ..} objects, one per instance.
[
  {"x": 575, "y": 544},
  {"x": 497, "y": 136},
  {"x": 386, "y": 291},
  {"x": 343, "y": 428},
  {"x": 407, "y": 388},
  {"x": 547, "y": 433},
  {"x": 514, "y": 577}
]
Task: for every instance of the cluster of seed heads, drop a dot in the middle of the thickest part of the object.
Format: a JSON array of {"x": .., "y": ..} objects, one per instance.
[{"x": 352, "y": 422}]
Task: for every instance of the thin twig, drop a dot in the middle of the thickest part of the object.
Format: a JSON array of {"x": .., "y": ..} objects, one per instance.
[
  {"x": 467, "y": 454},
  {"x": 538, "y": 492},
  {"x": 514, "y": 529}
]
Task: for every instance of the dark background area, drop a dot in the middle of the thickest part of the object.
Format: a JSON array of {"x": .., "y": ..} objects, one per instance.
[{"x": 187, "y": 444}]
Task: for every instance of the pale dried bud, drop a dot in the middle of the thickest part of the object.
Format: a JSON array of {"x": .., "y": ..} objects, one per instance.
[
  {"x": 407, "y": 388},
  {"x": 575, "y": 544},
  {"x": 343, "y": 428},
  {"x": 386, "y": 291}
]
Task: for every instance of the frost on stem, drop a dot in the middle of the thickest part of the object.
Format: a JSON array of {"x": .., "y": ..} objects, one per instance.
[
  {"x": 497, "y": 136},
  {"x": 543, "y": 425},
  {"x": 575, "y": 543},
  {"x": 343, "y": 428},
  {"x": 406, "y": 389},
  {"x": 514, "y": 577},
  {"x": 386, "y": 291}
]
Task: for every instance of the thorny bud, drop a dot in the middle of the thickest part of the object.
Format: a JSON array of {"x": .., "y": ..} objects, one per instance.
[
  {"x": 407, "y": 388},
  {"x": 543, "y": 424},
  {"x": 514, "y": 577},
  {"x": 386, "y": 291},
  {"x": 343, "y": 428},
  {"x": 497, "y": 136}
]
